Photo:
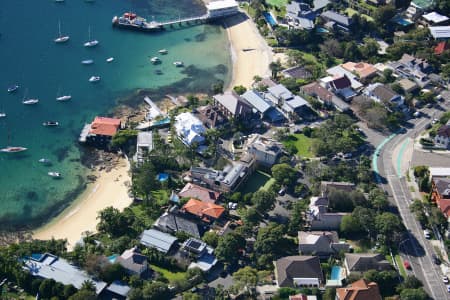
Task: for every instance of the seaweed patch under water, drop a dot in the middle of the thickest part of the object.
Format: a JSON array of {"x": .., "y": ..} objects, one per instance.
[{"x": 61, "y": 153}]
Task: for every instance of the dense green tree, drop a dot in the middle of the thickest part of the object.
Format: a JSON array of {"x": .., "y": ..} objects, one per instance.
[
  {"x": 144, "y": 180},
  {"x": 191, "y": 296},
  {"x": 245, "y": 279},
  {"x": 297, "y": 219},
  {"x": 263, "y": 200},
  {"x": 271, "y": 244},
  {"x": 366, "y": 218},
  {"x": 350, "y": 226},
  {"x": 275, "y": 67},
  {"x": 284, "y": 174},
  {"x": 155, "y": 290},
  {"x": 378, "y": 199},
  {"x": 250, "y": 216},
  {"x": 239, "y": 89},
  {"x": 390, "y": 226},
  {"x": 413, "y": 294},
  {"x": 228, "y": 247},
  {"x": 112, "y": 222},
  {"x": 340, "y": 201},
  {"x": 370, "y": 48},
  {"x": 410, "y": 282},
  {"x": 123, "y": 137},
  {"x": 387, "y": 280},
  {"x": 383, "y": 14},
  {"x": 84, "y": 295},
  {"x": 46, "y": 288},
  {"x": 351, "y": 51},
  {"x": 112, "y": 272},
  {"x": 211, "y": 238}
]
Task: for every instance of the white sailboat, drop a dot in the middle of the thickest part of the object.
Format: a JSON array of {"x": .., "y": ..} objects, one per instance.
[
  {"x": 29, "y": 101},
  {"x": 90, "y": 42},
  {"x": 61, "y": 38},
  {"x": 63, "y": 97}
]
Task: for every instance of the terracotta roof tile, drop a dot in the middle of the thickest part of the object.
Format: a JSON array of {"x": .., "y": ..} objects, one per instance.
[
  {"x": 359, "y": 290},
  {"x": 198, "y": 192},
  {"x": 105, "y": 126},
  {"x": 202, "y": 209}
]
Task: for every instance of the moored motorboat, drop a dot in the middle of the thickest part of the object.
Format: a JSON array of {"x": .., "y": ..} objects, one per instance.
[
  {"x": 2, "y": 115},
  {"x": 158, "y": 72},
  {"x": 10, "y": 149},
  {"x": 163, "y": 51},
  {"x": 30, "y": 101},
  {"x": 178, "y": 63},
  {"x": 64, "y": 98},
  {"x": 54, "y": 174},
  {"x": 13, "y": 88},
  {"x": 45, "y": 161},
  {"x": 87, "y": 62},
  {"x": 91, "y": 43},
  {"x": 109, "y": 59},
  {"x": 94, "y": 79},
  {"x": 50, "y": 123},
  {"x": 155, "y": 60}
]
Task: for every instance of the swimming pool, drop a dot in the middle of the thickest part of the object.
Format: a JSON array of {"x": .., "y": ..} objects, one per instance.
[
  {"x": 163, "y": 177},
  {"x": 112, "y": 258},
  {"x": 336, "y": 273},
  {"x": 402, "y": 21},
  {"x": 269, "y": 18},
  {"x": 322, "y": 30}
]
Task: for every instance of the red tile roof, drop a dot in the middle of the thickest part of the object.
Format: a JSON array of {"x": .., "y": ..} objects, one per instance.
[
  {"x": 198, "y": 192},
  {"x": 441, "y": 47},
  {"x": 359, "y": 290},
  {"x": 202, "y": 209},
  {"x": 444, "y": 206},
  {"x": 105, "y": 126}
]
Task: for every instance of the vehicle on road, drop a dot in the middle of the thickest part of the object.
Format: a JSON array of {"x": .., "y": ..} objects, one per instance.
[
  {"x": 428, "y": 126},
  {"x": 448, "y": 288},
  {"x": 407, "y": 265},
  {"x": 434, "y": 121},
  {"x": 282, "y": 192},
  {"x": 445, "y": 279},
  {"x": 436, "y": 260},
  {"x": 416, "y": 114},
  {"x": 427, "y": 234}
]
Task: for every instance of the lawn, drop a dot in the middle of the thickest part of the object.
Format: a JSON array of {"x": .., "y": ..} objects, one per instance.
[
  {"x": 350, "y": 12},
  {"x": 161, "y": 196},
  {"x": 258, "y": 180},
  {"x": 277, "y": 3},
  {"x": 401, "y": 268},
  {"x": 171, "y": 276},
  {"x": 302, "y": 143}
]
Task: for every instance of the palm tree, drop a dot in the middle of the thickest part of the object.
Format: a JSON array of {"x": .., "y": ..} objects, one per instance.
[
  {"x": 88, "y": 285},
  {"x": 275, "y": 67}
]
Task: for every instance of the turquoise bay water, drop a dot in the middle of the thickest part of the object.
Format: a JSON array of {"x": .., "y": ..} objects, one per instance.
[{"x": 44, "y": 70}]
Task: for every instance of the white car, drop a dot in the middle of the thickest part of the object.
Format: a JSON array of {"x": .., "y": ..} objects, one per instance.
[
  {"x": 445, "y": 279},
  {"x": 448, "y": 288},
  {"x": 427, "y": 234}
]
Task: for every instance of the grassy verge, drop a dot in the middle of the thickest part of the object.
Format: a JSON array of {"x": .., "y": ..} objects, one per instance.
[
  {"x": 302, "y": 143},
  {"x": 401, "y": 268},
  {"x": 171, "y": 276},
  {"x": 277, "y": 3}
]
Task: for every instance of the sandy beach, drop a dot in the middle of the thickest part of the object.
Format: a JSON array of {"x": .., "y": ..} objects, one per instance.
[
  {"x": 109, "y": 189},
  {"x": 250, "y": 53}
]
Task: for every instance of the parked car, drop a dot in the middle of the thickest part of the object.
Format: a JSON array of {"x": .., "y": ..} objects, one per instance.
[
  {"x": 282, "y": 191},
  {"x": 407, "y": 265},
  {"x": 427, "y": 234},
  {"x": 445, "y": 279},
  {"x": 416, "y": 114},
  {"x": 448, "y": 288},
  {"x": 428, "y": 126},
  {"x": 436, "y": 260},
  {"x": 434, "y": 121}
]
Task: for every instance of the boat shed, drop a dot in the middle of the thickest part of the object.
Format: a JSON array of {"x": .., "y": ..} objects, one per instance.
[{"x": 156, "y": 239}]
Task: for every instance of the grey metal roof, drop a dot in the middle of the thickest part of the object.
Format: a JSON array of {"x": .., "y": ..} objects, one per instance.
[
  {"x": 119, "y": 288},
  {"x": 145, "y": 139},
  {"x": 255, "y": 99},
  {"x": 440, "y": 32},
  {"x": 157, "y": 239},
  {"x": 229, "y": 100},
  {"x": 280, "y": 91},
  {"x": 297, "y": 102},
  {"x": 319, "y": 4},
  {"x": 52, "y": 267},
  {"x": 338, "y": 18}
]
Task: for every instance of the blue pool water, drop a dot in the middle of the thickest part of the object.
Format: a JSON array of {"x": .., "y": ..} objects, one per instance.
[
  {"x": 402, "y": 21},
  {"x": 335, "y": 273},
  {"x": 322, "y": 30},
  {"x": 163, "y": 177},
  {"x": 113, "y": 258},
  {"x": 269, "y": 18}
]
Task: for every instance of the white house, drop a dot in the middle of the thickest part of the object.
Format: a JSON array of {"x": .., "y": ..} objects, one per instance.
[
  {"x": 189, "y": 129},
  {"x": 266, "y": 151}
]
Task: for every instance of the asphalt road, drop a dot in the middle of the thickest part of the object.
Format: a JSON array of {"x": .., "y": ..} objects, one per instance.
[{"x": 416, "y": 247}]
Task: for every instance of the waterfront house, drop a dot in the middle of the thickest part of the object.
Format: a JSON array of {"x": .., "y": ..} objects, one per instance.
[
  {"x": 174, "y": 220},
  {"x": 299, "y": 15},
  {"x": 225, "y": 181},
  {"x": 279, "y": 94},
  {"x": 263, "y": 107},
  {"x": 210, "y": 116},
  {"x": 222, "y": 8},
  {"x": 442, "y": 138},
  {"x": 441, "y": 47},
  {"x": 144, "y": 146},
  {"x": 337, "y": 72},
  {"x": 359, "y": 290},
  {"x": 189, "y": 129},
  {"x": 134, "y": 263},
  {"x": 100, "y": 132},
  {"x": 191, "y": 190},
  {"x": 362, "y": 262},
  {"x": 158, "y": 240},
  {"x": 266, "y": 151},
  {"x": 49, "y": 266},
  {"x": 298, "y": 271},
  {"x": 336, "y": 20},
  {"x": 297, "y": 72},
  {"x": 203, "y": 254},
  {"x": 379, "y": 92},
  {"x": 320, "y": 243},
  {"x": 232, "y": 105},
  {"x": 205, "y": 211}
]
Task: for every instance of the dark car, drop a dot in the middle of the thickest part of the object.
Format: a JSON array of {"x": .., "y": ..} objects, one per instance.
[
  {"x": 436, "y": 260},
  {"x": 428, "y": 126}
]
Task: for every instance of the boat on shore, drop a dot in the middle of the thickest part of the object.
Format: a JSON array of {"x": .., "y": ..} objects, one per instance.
[
  {"x": 87, "y": 62},
  {"x": 163, "y": 51},
  {"x": 134, "y": 22},
  {"x": 109, "y": 59},
  {"x": 45, "y": 161},
  {"x": 13, "y": 88},
  {"x": 64, "y": 98},
  {"x": 94, "y": 79},
  {"x": 54, "y": 174},
  {"x": 178, "y": 64},
  {"x": 50, "y": 123},
  {"x": 61, "y": 38},
  {"x": 10, "y": 149},
  {"x": 30, "y": 101}
]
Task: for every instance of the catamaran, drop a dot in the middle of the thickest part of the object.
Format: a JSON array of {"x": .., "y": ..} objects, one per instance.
[
  {"x": 61, "y": 38},
  {"x": 90, "y": 42}
]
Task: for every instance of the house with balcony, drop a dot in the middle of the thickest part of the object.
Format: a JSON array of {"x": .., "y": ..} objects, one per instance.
[
  {"x": 266, "y": 151},
  {"x": 232, "y": 105},
  {"x": 264, "y": 107},
  {"x": 318, "y": 217},
  {"x": 202, "y": 254},
  {"x": 299, "y": 15},
  {"x": 206, "y": 211},
  {"x": 134, "y": 263},
  {"x": 416, "y": 69},
  {"x": 316, "y": 90},
  {"x": 100, "y": 132},
  {"x": 440, "y": 194},
  {"x": 189, "y": 129},
  {"x": 364, "y": 71}
]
